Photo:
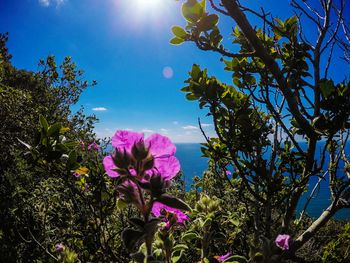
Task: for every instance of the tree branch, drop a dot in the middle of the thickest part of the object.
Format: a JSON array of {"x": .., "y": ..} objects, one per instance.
[{"x": 241, "y": 20}]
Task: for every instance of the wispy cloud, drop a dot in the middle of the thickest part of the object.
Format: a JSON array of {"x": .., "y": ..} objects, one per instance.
[
  {"x": 47, "y": 3},
  {"x": 44, "y": 2},
  {"x": 206, "y": 125},
  {"x": 175, "y": 122},
  {"x": 99, "y": 109},
  {"x": 190, "y": 127},
  {"x": 147, "y": 130},
  {"x": 164, "y": 130}
]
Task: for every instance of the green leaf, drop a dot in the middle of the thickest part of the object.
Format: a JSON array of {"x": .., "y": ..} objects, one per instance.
[
  {"x": 279, "y": 21},
  {"x": 54, "y": 129},
  {"x": 121, "y": 204},
  {"x": 238, "y": 259},
  {"x": 64, "y": 130},
  {"x": 196, "y": 70},
  {"x": 208, "y": 22},
  {"x": 191, "y": 96},
  {"x": 176, "y": 41},
  {"x": 189, "y": 236},
  {"x": 207, "y": 222},
  {"x": 179, "y": 32},
  {"x": 292, "y": 20},
  {"x": 176, "y": 255},
  {"x": 72, "y": 161},
  {"x": 192, "y": 10},
  {"x": 173, "y": 202},
  {"x": 180, "y": 247},
  {"x": 43, "y": 123},
  {"x": 327, "y": 87},
  {"x": 235, "y": 221}
]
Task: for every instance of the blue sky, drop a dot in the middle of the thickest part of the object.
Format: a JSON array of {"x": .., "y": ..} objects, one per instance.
[{"x": 124, "y": 45}]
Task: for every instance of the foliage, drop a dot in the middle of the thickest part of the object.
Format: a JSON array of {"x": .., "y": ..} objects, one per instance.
[
  {"x": 281, "y": 97},
  {"x": 337, "y": 250},
  {"x": 64, "y": 199}
]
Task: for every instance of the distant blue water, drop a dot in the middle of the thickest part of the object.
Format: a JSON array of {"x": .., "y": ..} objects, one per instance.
[{"x": 192, "y": 164}]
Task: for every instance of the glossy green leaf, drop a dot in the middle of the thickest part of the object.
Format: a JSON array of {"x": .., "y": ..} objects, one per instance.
[
  {"x": 176, "y": 41},
  {"x": 179, "y": 32}
]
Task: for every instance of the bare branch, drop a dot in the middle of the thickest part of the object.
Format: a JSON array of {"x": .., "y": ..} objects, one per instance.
[
  {"x": 217, "y": 8},
  {"x": 223, "y": 52}
]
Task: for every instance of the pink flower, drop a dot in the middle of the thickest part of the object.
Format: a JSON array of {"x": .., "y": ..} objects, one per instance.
[
  {"x": 59, "y": 248},
  {"x": 223, "y": 257},
  {"x": 228, "y": 172},
  {"x": 125, "y": 140},
  {"x": 282, "y": 241},
  {"x": 93, "y": 146},
  {"x": 157, "y": 210},
  {"x": 76, "y": 174},
  {"x": 160, "y": 147},
  {"x": 109, "y": 166}
]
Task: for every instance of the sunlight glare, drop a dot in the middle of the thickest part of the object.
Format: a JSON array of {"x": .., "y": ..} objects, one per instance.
[
  {"x": 140, "y": 14},
  {"x": 147, "y": 7},
  {"x": 147, "y": 4}
]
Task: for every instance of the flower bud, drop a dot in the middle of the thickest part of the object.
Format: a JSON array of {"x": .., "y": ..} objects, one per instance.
[
  {"x": 139, "y": 151},
  {"x": 158, "y": 184},
  {"x": 148, "y": 163},
  {"x": 121, "y": 159},
  {"x": 128, "y": 192}
]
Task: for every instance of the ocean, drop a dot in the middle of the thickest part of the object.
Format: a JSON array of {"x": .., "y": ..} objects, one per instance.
[{"x": 192, "y": 164}]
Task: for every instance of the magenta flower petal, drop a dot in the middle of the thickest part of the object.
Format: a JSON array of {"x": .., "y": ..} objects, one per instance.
[
  {"x": 223, "y": 257},
  {"x": 160, "y": 146},
  {"x": 93, "y": 146},
  {"x": 282, "y": 241},
  {"x": 126, "y": 139},
  {"x": 168, "y": 168},
  {"x": 157, "y": 211},
  {"x": 109, "y": 165}
]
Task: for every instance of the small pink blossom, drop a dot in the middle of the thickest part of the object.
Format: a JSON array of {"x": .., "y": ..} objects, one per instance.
[
  {"x": 76, "y": 174},
  {"x": 228, "y": 172},
  {"x": 282, "y": 241},
  {"x": 59, "y": 248},
  {"x": 158, "y": 207},
  {"x": 93, "y": 146},
  {"x": 223, "y": 257}
]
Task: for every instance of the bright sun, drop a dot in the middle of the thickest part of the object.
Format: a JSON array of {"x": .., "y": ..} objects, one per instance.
[
  {"x": 148, "y": 4},
  {"x": 139, "y": 13}
]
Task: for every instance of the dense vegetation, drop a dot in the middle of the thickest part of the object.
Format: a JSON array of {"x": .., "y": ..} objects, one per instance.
[{"x": 63, "y": 198}]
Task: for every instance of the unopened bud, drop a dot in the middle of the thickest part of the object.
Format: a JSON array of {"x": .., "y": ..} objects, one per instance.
[
  {"x": 121, "y": 159},
  {"x": 139, "y": 151},
  {"x": 148, "y": 163}
]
